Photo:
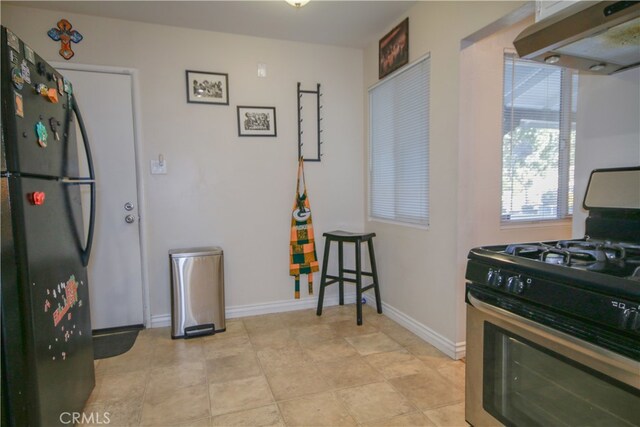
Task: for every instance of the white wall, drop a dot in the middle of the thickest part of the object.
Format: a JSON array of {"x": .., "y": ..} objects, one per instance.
[
  {"x": 480, "y": 161},
  {"x": 221, "y": 189},
  {"x": 608, "y": 130},
  {"x": 419, "y": 268}
]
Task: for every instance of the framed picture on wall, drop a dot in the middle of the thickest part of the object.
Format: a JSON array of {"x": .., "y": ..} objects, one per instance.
[
  {"x": 207, "y": 88},
  {"x": 393, "y": 49},
  {"x": 256, "y": 121}
]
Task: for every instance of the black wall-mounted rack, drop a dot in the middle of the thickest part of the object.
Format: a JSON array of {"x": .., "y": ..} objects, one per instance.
[{"x": 313, "y": 153}]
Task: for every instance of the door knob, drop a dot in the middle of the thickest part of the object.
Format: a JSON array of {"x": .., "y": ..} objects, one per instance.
[
  {"x": 128, "y": 206},
  {"x": 129, "y": 219}
]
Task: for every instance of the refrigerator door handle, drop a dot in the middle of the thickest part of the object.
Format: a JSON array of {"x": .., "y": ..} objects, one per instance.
[
  {"x": 77, "y": 181},
  {"x": 86, "y": 252}
]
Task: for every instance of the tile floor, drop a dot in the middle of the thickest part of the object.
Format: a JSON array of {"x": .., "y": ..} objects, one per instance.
[{"x": 293, "y": 369}]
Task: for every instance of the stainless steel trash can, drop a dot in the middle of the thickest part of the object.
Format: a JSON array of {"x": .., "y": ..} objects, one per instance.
[{"x": 197, "y": 297}]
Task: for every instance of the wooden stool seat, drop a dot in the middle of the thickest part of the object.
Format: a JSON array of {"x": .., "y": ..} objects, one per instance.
[{"x": 326, "y": 279}]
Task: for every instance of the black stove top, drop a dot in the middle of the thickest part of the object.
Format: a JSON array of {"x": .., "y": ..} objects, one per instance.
[{"x": 617, "y": 259}]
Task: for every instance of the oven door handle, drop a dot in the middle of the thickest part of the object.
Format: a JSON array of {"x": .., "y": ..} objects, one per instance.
[{"x": 590, "y": 350}]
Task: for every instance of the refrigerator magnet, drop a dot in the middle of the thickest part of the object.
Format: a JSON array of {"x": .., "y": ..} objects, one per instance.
[
  {"x": 13, "y": 41},
  {"x": 13, "y": 57},
  {"x": 41, "y": 131},
  {"x": 37, "y": 198},
  {"x": 67, "y": 87},
  {"x": 53, "y": 125},
  {"x": 19, "y": 105},
  {"x": 52, "y": 95},
  {"x": 42, "y": 89},
  {"x": 28, "y": 53},
  {"x": 26, "y": 72},
  {"x": 41, "y": 68},
  {"x": 60, "y": 83},
  {"x": 16, "y": 77}
]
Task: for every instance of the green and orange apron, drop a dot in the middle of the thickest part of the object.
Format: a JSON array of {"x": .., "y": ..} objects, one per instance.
[{"x": 302, "y": 251}]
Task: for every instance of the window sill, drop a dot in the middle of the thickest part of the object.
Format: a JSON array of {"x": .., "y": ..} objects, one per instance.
[
  {"x": 536, "y": 224},
  {"x": 402, "y": 224}
]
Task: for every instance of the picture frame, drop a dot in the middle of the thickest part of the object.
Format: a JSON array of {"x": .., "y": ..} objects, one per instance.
[
  {"x": 204, "y": 87},
  {"x": 257, "y": 121},
  {"x": 393, "y": 49}
]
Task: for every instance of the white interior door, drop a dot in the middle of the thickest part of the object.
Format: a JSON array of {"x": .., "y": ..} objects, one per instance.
[{"x": 115, "y": 270}]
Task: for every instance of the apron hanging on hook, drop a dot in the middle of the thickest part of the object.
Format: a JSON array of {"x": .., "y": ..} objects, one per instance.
[{"x": 302, "y": 251}]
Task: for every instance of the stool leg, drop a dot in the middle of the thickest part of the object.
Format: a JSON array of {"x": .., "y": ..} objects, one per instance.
[
  {"x": 341, "y": 273},
  {"x": 358, "y": 284},
  {"x": 323, "y": 278},
  {"x": 374, "y": 272}
]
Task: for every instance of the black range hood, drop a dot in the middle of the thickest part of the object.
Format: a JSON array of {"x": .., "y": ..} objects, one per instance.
[{"x": 598, "y": 37}]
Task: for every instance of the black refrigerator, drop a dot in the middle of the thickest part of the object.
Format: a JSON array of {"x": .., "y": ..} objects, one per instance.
[{"x": 47, "y": 351}]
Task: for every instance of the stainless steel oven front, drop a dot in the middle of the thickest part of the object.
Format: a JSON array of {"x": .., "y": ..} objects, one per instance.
[{"x": 522, "y": 373}]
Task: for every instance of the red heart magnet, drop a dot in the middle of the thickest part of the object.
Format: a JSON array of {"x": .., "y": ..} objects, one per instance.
[{"x": 37, "y": 198}]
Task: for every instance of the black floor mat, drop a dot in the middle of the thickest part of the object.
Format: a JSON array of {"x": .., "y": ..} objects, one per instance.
[{"x": 114, "y": 344}]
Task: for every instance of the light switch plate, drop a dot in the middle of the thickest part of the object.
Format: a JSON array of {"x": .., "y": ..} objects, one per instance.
[
  {"x": 262, "y": 70},
  {"x": 158, "y": 167}
]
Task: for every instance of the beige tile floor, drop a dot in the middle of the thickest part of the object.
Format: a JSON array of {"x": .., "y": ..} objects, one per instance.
[{"x": 285, "y": 369}]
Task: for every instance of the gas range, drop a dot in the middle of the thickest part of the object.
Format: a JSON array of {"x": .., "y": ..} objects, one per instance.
[
  {"x": 553, "y": 328},
  {"x": 586, "y": 296},
  {"x": 589, "y": 288}
]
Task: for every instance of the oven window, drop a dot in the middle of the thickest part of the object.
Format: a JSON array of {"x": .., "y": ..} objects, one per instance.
[{"x": 526, "y": 385}]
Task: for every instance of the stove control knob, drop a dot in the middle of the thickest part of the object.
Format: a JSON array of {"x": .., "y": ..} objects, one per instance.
[
  {"x": 515, "y": 284},
  {"x": 499, "y": 280},
  {"x": 630, "y": 319},
  {"x": 494, "y": 278},
  {"x": 491, "y": 275},
  {"x": 635, "y": 324}
]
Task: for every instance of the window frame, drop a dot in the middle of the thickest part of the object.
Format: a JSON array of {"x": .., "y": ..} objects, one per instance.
[{"x": 567, "y": 116}]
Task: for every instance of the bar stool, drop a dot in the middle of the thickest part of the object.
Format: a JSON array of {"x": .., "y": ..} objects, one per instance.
[{"x": 358, "y": 239}]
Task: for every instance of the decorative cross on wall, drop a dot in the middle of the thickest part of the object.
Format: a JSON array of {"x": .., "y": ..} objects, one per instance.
[{"x": 65, "y": 35}]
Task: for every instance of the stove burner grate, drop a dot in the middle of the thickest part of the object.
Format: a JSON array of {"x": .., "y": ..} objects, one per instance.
[{"x": 620, "y": 259}]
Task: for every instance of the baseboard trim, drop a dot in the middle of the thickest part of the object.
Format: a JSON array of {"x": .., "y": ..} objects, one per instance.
[
  {"x": 448, "y": 347},
  {"x": 284, "y": 306},
  {"x": 164, "y": 320},
  {"x": 161, "y": 321},
  {"x": 461, "y": 349}
]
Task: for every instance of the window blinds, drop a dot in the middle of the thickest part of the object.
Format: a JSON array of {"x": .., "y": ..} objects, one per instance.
[
  {"x": 399, "y": 146},
  {"x": 538, "y": 142}
]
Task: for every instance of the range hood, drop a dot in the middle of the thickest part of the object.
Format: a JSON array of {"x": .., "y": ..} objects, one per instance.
[{"x": 598, "y": 37}]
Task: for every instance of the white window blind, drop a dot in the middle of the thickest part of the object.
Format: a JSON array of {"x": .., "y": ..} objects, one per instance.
[
  {"x": 538, "y": 140},
  {"x": 399, "y": 146}
]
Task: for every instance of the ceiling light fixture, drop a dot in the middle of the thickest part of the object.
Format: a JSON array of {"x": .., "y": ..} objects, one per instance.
[
  {"x": 553, "y": 59},
  {"x": 598, "y": 67},
  {"x": 297, "y": 3}
]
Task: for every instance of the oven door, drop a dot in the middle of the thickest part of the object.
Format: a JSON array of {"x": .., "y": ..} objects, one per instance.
[{"x": 522, "y": 373}]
